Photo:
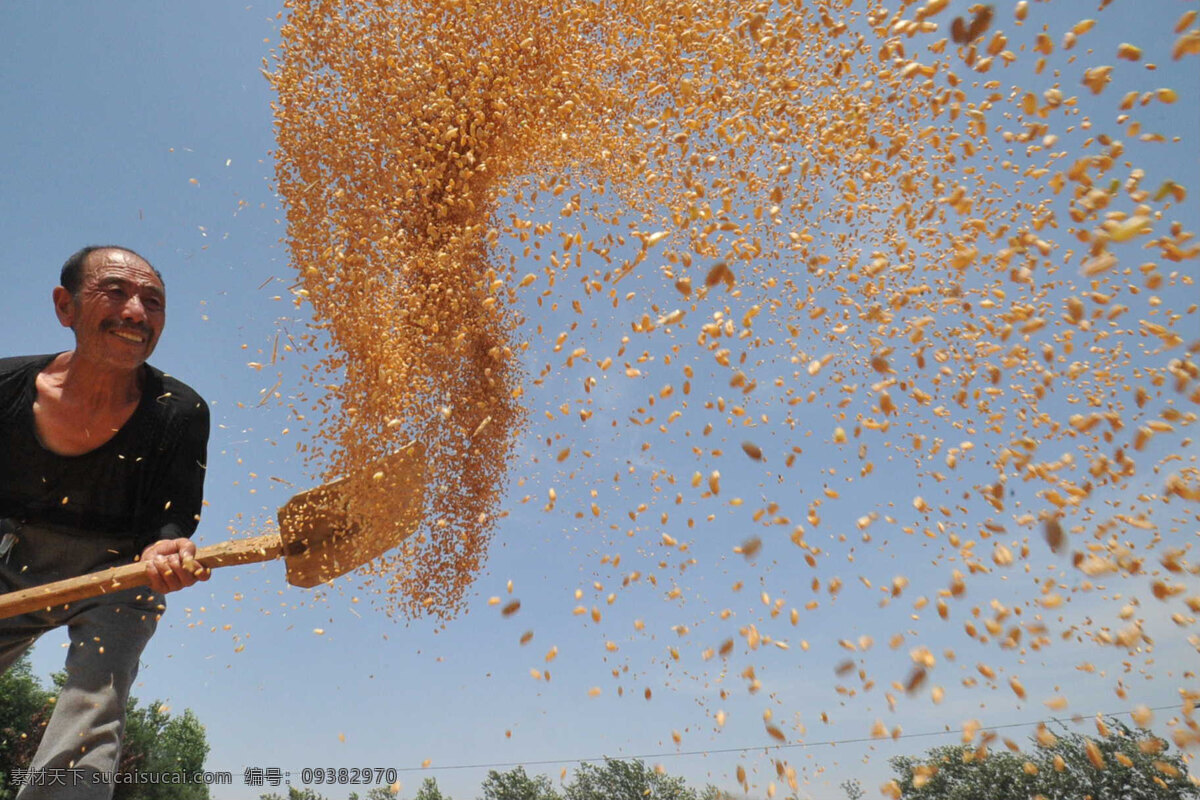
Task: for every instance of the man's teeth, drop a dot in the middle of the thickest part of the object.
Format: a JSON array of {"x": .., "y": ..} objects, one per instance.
[{"x": 129, "y": 336}]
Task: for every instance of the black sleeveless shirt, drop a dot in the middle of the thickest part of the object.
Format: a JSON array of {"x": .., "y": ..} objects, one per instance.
[{"x": 145, "y": 483}]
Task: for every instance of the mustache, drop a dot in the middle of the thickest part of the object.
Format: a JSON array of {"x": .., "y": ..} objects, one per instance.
[{"x": 110, "y": 325}]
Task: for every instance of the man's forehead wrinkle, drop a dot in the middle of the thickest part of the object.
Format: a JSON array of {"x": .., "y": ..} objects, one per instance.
[
  {"x": 114, "y": 255},
  {"x": 105, "y": 266},
  {"x": 108, "y": 280}
]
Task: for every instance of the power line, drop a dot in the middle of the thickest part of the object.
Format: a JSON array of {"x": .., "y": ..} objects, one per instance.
[{"x": 767, "y": 748}]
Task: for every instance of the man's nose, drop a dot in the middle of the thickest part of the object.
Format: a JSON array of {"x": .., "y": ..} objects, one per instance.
[{"x": 133, "y": 310}]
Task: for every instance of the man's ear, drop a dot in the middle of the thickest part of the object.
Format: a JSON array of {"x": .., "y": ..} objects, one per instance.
[{"x": 64, "y": 307}]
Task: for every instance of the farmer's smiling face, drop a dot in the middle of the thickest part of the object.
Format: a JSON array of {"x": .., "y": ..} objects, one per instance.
[{"x": 119, "y": 311}]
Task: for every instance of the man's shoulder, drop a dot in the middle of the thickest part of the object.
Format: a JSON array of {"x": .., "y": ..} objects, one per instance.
[
  {"x": 174, "y": 393},
  {"x": 13, "y": 364}
]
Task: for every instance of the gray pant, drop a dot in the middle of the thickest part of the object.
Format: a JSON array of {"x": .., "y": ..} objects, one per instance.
[{"x": 81, "y": 745}]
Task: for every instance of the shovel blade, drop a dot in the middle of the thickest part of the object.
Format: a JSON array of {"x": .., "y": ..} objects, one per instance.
[{"x": 332, "y": 529}]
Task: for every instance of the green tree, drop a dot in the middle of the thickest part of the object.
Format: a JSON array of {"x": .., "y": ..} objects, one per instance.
[
  {"x": 381, "y": 793},
  {"x": 625, "y": 780},
  {"x": 429, "y": 791},
  {"x": 294, "y": 794},
  {"x": 377, "y": 793},
  {"x": 516, "y": 785},
  {"x": 1137, "y": 765},
  {"x": 957, "y": 772},
  {"x": 156, "y": 743},
  {"x": 24, "y": 710},
  {"x": 853, "y": 789},
  {"x": 711, "y": 792},
  {"x": 1128, "y": 764}
]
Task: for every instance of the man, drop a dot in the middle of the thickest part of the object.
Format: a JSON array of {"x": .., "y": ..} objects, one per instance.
[{"x": 102, "y": 461}]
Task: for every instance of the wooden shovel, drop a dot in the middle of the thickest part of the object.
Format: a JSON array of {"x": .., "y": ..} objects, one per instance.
[{"x": 321, "y": 535}]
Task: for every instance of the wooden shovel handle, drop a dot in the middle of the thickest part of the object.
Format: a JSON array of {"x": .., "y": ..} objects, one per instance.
[{"x": 58, "y": 593}]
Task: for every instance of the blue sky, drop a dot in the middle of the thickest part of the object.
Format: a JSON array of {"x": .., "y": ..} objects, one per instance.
[{"x": 149, "y": 124}]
